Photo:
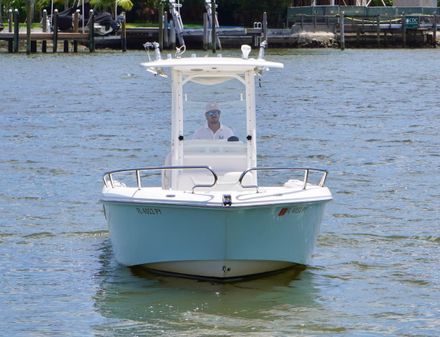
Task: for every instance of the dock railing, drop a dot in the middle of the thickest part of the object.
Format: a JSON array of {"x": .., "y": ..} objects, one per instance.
[{"x": 359, "y": 27}]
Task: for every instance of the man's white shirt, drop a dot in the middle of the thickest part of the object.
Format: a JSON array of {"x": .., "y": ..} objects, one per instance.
[{"x": 206, "y": 133}]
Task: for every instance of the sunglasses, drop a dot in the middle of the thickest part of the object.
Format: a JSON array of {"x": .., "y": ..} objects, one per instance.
[{"x": 213, "y": 113}]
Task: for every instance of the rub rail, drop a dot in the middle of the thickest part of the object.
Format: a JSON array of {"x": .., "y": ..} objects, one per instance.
[
  {"x": 108, "y": 176},
  {"x": 306, "y": 174}
]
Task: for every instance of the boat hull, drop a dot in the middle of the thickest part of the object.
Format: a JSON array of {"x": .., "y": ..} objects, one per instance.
[{"x": 219, "y": 242}]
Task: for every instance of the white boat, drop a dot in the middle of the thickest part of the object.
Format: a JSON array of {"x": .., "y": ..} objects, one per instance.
[{"x": 209, "y": 214}]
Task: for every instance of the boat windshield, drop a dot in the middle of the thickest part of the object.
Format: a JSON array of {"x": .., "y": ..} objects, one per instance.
[{"x": 203, "y": 99}]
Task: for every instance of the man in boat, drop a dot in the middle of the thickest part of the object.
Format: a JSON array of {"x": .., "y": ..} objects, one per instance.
[{"x": 213, "y": 129}]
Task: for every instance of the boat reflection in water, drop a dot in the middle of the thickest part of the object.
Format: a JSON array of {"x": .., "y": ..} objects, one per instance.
[{"x": 137, "y": 302}]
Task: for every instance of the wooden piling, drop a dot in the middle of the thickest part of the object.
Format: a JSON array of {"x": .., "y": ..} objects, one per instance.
[
  {"x": 264, "y": 28},
  {"x": 205, "y": 31},
  {"x": 16, "y": 32},
  {"x": 29, "y": 16},
  {"x": 10, "y": 20},
  {"x": 434, "y": 32},
  {"x": 166, "y": 40},
  {"x": 404, "y": 30},
  {"x": 172, "y": 35},
  {"x": 314, "y": 22},
  {"x": 10, "y": 24},
  {"x": 378, "y": 30},
  {"x": 55, "y": 31},
  {"x": 91, "y": 31},
  {"x": 342, "y": 30},
  {"x": 161, "y": 10},
  {"x": 124, "y": 33},
  {"x": 44, "y": 27},
  {"x": 75, "y": 29},
  {"x": 213, "y": 28}
]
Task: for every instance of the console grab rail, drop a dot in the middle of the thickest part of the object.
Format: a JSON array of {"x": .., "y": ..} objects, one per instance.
[{"x": 108, "y": 176}]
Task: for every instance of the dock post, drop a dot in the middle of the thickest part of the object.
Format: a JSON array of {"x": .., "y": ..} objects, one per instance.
[
  {"x": 264, "y": 32},
  {"x": 91, "y": 31},
  {"x": 314, "y": 22},
  {"x": 172, "y": 35},
  {"x": 166, "y": 40},
  {"x": 124, "y": 33},
  {"x": 378, "y": 30},
  {"x": 403, "y": 31},
  {"x": 16, "y": 32},
  {"x": 44, "y": 42},
  {"x": 213, "y": 28},
  {"x": 75, "y": 29},
  {"x": 29, "y": 16},
  {"x": 342, "y": 30},
  {"x": 434, "y": 33},
  {"x": 161, "y": 25},
  {"x": 55, "y": 31},
  {"x": 10, "y": 23},
  {"x": 10, "y": 20},
  {"x": 205, "y": 31}
]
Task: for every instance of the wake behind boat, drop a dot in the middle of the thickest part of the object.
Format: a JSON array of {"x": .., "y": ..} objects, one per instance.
[{"x": 210, "y": 216}]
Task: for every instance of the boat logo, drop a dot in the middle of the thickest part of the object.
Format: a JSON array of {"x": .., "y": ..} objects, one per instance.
[{"x": 291, "y": 210}]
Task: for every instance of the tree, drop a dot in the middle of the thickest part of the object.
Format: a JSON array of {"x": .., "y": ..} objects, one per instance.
[{"x": 126, "y": 5}]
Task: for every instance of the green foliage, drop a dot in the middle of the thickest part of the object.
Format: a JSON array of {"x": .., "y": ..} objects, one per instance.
[{"x": 126, "y": 5}]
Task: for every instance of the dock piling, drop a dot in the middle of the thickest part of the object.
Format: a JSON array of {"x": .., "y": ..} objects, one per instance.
[
  {"x": 378, "y": 30},
  {"x": 10, "y": 20},
  {"x": 434, "y": 31},
  {"x": 403, "y": 30},
  {"x": 29, "y": 16},
  {"x": 342, "y": 30},
  {"x": 264, "y": 28},
  {"x": 124, "y": 33},
  {"x": 44, "y": 42},
  {"x": 205, "y": 31},
  {"x": 213, "y": 28},
  {"x": 161, "y": 26},
  {"x": 172, "y": 35},
  {"x": 166, "y": 40},
  {"x": 55, "y": 31},
  {"x": 91, "y": 31},
  {"x": 16, "y": 32},
  {"x": 75, "y": 29},
  {"x": 10, "y": 23}
]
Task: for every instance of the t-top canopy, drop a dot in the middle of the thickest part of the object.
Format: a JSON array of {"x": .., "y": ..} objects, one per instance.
[{"x": 193, "y": 65}]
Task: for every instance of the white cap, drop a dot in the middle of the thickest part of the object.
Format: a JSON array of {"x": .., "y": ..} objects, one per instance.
[{"x": 212, "y": 107}]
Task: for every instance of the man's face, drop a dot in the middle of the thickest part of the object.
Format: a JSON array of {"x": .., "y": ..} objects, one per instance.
[{"x": 213, "y": 116}]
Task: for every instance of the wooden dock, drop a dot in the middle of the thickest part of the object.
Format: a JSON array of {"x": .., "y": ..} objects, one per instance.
[
  {"x": 369, "y": 27},
  {"x": 52, "y": 37}
]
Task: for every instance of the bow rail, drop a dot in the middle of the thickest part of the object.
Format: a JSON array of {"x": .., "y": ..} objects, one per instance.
[
  {"x": 109, "y": 181},
  {"x": 306, "y": 174}
]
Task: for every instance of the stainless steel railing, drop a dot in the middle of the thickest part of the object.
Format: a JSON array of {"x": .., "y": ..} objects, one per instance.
[
  {"x": 305, "y": 180},
  {"x": 108, "y": 176},
  {"x": 109, "y": 181}
]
